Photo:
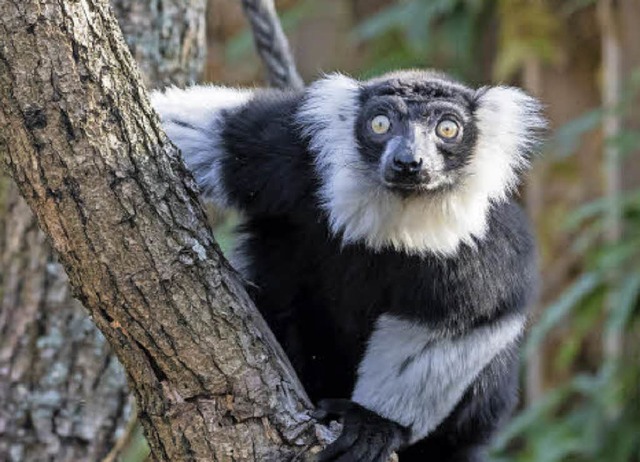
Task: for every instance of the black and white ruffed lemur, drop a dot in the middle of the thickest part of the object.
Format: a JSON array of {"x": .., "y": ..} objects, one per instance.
[{"x": 382, "y": 243}]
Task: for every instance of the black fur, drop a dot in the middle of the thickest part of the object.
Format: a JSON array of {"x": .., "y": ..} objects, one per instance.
[{"x": 365, "y": 435}]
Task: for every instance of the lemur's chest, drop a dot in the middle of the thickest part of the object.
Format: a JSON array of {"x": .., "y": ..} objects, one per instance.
[
  {"x": 355, "y": 284},
  {"x": 323, "y": 298},
  {"x": 392, "y": 281}
]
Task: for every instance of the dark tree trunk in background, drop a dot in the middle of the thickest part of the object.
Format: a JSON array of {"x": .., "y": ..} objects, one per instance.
[
  {"x": 87, "y": 152},
  {"x": 166, "y": 37},
  {"x": 63, "y": 394},
  {"x": 571, "y": 85}
]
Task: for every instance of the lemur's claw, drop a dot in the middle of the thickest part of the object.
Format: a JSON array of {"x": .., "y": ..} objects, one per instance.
[{"x": 366, "y": 436}]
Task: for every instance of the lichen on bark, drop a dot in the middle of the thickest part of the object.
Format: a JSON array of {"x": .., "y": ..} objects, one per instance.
[
  {"x": 62, "y": 393},
  {"x": 166, "y": 38}
]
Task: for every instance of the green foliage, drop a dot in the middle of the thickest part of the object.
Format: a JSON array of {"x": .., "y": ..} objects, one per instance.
[
  {"x": 601, "y": 430},
  {"x": 223, "y": 232},
  {"x": 561, "y": 308},
  {"x": 566, "y": 139},
  {"x": 528, "y": 30},
  {"x": 138, "y": 449},
  {"x": 425, "y": 33}
]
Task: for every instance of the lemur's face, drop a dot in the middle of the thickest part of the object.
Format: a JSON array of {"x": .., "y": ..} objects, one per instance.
[
  {"x": 414, "y": 161},
  {"x": 416, "y": 135}
]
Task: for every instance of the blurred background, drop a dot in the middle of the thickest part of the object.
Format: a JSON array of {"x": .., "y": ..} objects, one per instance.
[{"x": 581, "y": 365}]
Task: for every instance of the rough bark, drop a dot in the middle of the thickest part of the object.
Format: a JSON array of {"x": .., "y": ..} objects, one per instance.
[
  {"x": 627, "y": 16},
  {"x": 166, "y": 38},
  {"x": 82, "y": 143},
  {"x": 62, "y": 393},
  {"x": 570, "y": 84}
]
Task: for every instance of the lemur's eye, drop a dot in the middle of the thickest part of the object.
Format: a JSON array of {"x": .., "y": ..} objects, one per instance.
[
  {"x": 380, "y": 124},
  {"x": 447, "y": 129}
]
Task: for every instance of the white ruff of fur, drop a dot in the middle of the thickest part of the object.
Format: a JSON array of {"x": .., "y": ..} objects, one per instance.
[
  {"x": 416, "y": 376},
  {"x": 192, "y": 118},
  {"x": 362, "y": 210}
]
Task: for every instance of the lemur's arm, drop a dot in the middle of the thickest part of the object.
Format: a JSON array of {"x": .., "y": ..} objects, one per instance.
[
  {"x": 427, "y": 372},
  {"x": 414, "y": 377},
  {"x": 242, "y": 146}
]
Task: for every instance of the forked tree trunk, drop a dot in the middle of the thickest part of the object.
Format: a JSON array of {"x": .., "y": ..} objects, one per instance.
[
  {"x": 86, "y": 150},
  {"x": 63, "y": 394}
]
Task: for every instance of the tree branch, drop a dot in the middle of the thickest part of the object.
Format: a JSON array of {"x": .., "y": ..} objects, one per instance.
[{"x": 272, "y": 44}]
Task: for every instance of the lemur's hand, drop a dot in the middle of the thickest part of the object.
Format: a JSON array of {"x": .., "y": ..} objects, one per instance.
[{"x": 366, "y": 436}]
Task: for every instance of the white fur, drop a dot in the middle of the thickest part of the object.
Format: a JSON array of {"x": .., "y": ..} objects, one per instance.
[
  {"x": 362, "y": 209},
  {"x": 192, "y": 118},
  {"x": 415, "y": 376},
  {"x": 507, "y": 121}
]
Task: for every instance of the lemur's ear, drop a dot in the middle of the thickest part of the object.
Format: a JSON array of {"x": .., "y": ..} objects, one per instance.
[{"x": 511, "y": 119}]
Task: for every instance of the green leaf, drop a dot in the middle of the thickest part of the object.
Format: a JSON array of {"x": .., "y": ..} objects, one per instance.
[
  {"x": 224, "y": 233},
  {"x": 614, "y": 256},
  {"x": 597, "y": 207},
  {"x": 426, "y": 13},
  {"x": 528, "y": 418},
  {"x": 583, "y": 323},
  {"x": 386, "y": 20},
  {"x": 558, "y": 310},
  {"x": 625, "y": 299},
  {"x": 626, "y": 142},
  {"x": 567, "y": 138},
  {"x": 589, "y": 238}
]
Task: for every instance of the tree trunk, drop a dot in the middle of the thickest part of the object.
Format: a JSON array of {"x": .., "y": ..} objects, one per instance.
[
  {"x": 166, "y": 38},
  {"x": 570, "y": 84},
  {"x": 87, "y": 152},
  {"x": 63, "y": 395},
  {"x": 534, "y": 202},
  {"x": 612, "y": 82}
]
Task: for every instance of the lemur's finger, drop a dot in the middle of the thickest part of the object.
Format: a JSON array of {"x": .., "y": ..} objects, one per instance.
[
  {"x": 357, "y": 452},
  {"x": 339, "y": 447}
]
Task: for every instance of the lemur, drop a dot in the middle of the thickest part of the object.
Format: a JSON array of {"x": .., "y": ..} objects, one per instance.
[{"x": 383, "y": 245}]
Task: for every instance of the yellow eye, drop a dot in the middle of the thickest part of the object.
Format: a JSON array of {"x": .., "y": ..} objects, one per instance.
[
  {"x": 380, "y": 124},
  {"x": 447, "y": 129}
]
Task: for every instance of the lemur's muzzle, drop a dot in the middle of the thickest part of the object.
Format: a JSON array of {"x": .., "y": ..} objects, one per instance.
[{"x": 403, "y": 164}]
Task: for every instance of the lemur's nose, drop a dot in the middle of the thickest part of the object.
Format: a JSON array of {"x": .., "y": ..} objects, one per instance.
[{"x": 406, "y": 162}]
